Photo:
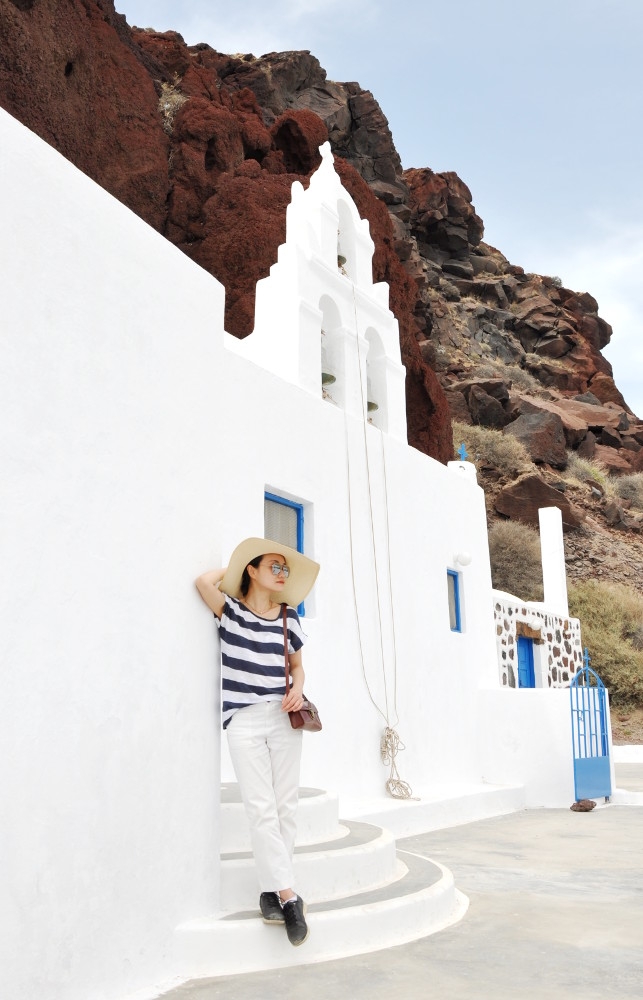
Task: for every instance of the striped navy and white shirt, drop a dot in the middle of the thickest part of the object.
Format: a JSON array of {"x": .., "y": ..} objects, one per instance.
[{"x": 252, "y": 656}]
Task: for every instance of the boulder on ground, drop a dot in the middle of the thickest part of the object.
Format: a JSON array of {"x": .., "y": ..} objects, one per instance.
[
  {"x": 587, "y": 447},
  {"x": 521, "y": 500},
  {"x": 458, "y": 409},
  {"x": 588, "y": 397},
  {"x": 543, "y": 436},
  {"x": 594, "y": 416},
  {"x": 495, "y": 387},
  {"x": 611, "y": 438},
  {"x": 574, "y": 427},
  {"x": 485, "y": 409},
  {"x": 461, "y": 268},
  {"x": 612, "y": 460},
  {"x": 636, "y": 462},
  {"x": 616, "y": 517}
]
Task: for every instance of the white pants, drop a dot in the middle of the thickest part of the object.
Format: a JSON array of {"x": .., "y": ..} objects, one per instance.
[{"x": 265, "y": 751}]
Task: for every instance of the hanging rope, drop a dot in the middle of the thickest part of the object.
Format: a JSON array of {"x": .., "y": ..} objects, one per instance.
[{"x": 390, "y": 743}]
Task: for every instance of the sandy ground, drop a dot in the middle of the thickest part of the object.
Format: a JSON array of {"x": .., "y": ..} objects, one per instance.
[{"x": 627, "y": 725}]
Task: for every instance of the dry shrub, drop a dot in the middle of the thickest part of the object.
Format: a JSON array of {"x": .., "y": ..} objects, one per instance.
[
  {"x": 170, "y": 101},
  {"x": 611, "y": 617},
  {"x": 492, "y": 448},
  {"x": 630, "y": 488},
  {"x": 582, "y": 469},
  {"x": 536, "y": 361},
  {"x": 519, "y": 378},
  {"x": 516, "y": 567},
  {"x": 524, "y": 381}
]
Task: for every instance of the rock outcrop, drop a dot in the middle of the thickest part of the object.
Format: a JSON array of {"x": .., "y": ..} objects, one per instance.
[
  {"x": 205, "y": 146},
  {"x": 72, "y": 73}
]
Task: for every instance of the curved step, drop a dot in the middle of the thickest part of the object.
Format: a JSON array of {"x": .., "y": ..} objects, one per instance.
[
  {"x": 317, "y": 818},
  {"x": 422, "y": 902},
  {"x": 437, "y": 808},
  {"x": 363, "y": 858}
]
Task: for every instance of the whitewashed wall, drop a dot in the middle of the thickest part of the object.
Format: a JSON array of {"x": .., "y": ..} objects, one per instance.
[
  {"x": 423, "y": 513},
  {"x": 108, "y": 508},
  {"x": 136, "y": 443},
  {"x": 526, "y": 737},
  {"x": 435, "y": 667}
]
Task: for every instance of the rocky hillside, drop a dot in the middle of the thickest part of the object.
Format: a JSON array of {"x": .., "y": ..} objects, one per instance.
[{"x": 205, "y": 147}]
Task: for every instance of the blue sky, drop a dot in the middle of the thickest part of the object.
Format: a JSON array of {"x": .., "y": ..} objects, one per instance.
[{"x": 538, "y": 106}]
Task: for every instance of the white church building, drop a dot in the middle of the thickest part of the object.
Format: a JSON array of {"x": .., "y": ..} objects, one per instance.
[{"x": 139, "y": 444}]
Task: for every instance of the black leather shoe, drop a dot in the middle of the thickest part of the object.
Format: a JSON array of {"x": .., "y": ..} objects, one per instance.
[
  {"x": 296, "y": 926},
  {"x": 271, "y": 908}
]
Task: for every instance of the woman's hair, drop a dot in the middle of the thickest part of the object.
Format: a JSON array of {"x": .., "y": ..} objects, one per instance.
[{"x": 244, "y": 586}]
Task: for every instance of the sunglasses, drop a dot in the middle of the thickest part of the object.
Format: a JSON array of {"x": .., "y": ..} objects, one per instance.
[{"x": 277, "y": 568}]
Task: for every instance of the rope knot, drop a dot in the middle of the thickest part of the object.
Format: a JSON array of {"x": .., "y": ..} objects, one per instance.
[{"x": 390, "y": 745}]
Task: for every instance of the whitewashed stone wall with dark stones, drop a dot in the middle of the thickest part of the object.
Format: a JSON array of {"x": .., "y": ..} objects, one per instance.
[{"x": 558, "y": 651}]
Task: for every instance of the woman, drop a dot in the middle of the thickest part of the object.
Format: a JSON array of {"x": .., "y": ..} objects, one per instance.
[{"x": 246, "y": 598}]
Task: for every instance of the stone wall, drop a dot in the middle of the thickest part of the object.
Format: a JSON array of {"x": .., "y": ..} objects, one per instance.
[{"x": 558, "y": 651}]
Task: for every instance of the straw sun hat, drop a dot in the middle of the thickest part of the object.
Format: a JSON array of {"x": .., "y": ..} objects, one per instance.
[{"x": 303, "y": 571}]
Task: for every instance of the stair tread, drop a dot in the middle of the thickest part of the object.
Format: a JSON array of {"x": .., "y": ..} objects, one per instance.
[
  {"x": 421, "y": 874},
  {"x": 357, "y": 835}
]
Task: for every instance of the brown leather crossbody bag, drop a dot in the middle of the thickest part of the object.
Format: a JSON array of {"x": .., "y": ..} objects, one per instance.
[{"x": 307, "y": 717}]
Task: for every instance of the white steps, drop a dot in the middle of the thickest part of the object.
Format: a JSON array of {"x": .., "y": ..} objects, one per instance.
[
  {"x": 316, "y": 818},
  {"x": 411, "y": 908},
  {"x": 438, "y": 808},
  {"x": 361, "y": 859},
  {"x": 362, "y": 895}
]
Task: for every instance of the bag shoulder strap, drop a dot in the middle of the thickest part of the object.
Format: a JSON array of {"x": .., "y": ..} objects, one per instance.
[{"x": 284, "y": 615}]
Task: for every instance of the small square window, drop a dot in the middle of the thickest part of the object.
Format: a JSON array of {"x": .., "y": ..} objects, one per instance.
[{"x": 453, "y": 585}]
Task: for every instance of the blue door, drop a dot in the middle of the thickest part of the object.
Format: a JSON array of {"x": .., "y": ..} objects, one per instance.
[{"x": 526, "y": 676}]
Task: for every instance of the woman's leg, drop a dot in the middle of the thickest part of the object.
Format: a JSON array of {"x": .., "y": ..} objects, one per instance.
[
  {"x": 285, "y": 745},
  {"x": 263, "y": 752}
]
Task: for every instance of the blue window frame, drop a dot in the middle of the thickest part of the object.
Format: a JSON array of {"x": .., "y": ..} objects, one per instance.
[
  {"x": 455, "y": 613},
  {"x": 283, "y": 520}
]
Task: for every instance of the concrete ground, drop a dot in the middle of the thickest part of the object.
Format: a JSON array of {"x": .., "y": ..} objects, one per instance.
[
  {"x": 556, "y": 910},
  {"x": 629, "y": 776}
]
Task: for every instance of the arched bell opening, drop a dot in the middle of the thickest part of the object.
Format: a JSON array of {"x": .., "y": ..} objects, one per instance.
[
  {"x": 333, "y": 386},
  {"x": 346, "y": 241},
  {"x": 376, "y": 393}
]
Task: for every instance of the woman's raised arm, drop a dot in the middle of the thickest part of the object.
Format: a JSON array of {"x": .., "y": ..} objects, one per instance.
[{"x": 208, "y": 586}]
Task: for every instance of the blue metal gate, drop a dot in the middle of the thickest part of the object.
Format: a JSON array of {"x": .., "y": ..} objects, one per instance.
[{"x": 589, "y": 734}]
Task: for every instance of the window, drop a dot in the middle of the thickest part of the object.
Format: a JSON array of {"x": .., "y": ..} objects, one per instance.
[
  {"x": 453, "y": 585},
  {"x": 283, "y": 520}
]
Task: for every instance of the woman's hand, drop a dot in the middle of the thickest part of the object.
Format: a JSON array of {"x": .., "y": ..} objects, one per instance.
[{"x": 293, "y": 700}]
